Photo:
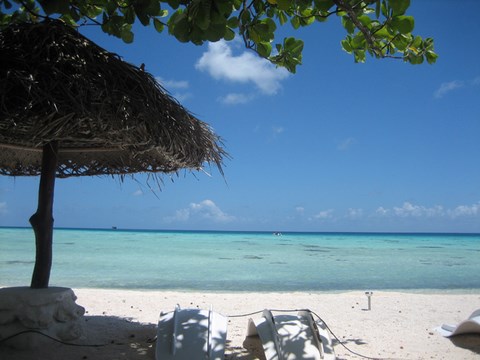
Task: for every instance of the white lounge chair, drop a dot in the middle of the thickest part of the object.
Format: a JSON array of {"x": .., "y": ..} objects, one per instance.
[
  {"x": 191, "y": 334},
  {"x": 292, "y": 337},
  {"x": 469, "y": 326}
]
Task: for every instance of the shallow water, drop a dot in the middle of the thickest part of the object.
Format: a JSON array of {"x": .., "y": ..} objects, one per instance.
[{"x": 241, "y": 261}]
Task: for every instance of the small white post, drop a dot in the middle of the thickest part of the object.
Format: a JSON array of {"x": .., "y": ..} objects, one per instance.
[{"x": 369, "y": 298}]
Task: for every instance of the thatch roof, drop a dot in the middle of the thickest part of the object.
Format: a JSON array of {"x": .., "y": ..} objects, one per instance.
[{"x": 109, "y": 117}]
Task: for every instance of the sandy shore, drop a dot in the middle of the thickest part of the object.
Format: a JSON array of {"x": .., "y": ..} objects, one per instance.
[{"x": 399, "y": 325}]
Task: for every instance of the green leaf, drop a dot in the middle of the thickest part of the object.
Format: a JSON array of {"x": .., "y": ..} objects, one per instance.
[
  {"x": 202, "y": 16},
  {"x": 129, "y": 15},
  {"x": 282, "y": 17},
  {"x": 383, "y": 33},
  {"x": 178, "y": 26},
  {"x": 414, "y": 59},
  {"x": 237, "y": 4},
  {"x": 153, "y": 8},
  {"x": 348, "y": 24},
  {"x": 404, "y": 24},
  {"x": 295, "y": 21},
  {"x": 399, "y": 6},
  {"x": 271, "y": 25},
  {"x": 431, "y": 57},
  {"x": 365, "y": 20},
  {"x": 173, "y": 3},
  {"x": 253, "y": 35},
  {"x": 127, "y": 36},
  {"x": 293, "y": 45},
  {"x": 358, "y": 41},
  {"x": 105, "y": 18},
  {"x": 307, "y": 17},
  {"x": 75, "y": 15},
  {"x": 158, "y": 25},
  {"x": 284, "y": 4},
  {"x": 111, "y": 7},
  {"x": 264, "y": 49},
  {"x": 68, "y": 19},
  {"x": 417, "y": 42},
  {"x": 359, "y": 56},
  {"x": 245, "y": 17},
  {"x": 346, "y": 46},
  {"x": 384, "y": 9},
  {"x": 215, "y": 32},
  {"x": 55, "y": 7},
  {"x": 144, "y": 19},
  {"x": 324, "y": 5},
  {"x": 233, "y": 22},
  {"x": 229, "y": 34},
  {"x": 141, "y": 8},
  {"x": 401, "y": 42},
  {"x": 378, "y": 6},
  {"x": 259, "y": 6},
  {"x": 91, "y": 10}
]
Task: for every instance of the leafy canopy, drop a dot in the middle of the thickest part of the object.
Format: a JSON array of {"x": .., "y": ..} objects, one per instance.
[{"x": 380, "y": 28}]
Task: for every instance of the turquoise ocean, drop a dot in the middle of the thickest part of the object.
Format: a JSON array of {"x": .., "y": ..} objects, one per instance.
[{"x": 247, "y": 261}]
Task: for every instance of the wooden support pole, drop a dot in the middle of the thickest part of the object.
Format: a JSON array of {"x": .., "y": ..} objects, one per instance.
[{"x": 42, "y": 220}]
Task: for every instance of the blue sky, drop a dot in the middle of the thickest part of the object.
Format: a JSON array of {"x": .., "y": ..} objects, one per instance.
[{"x": 339, "y": 146}]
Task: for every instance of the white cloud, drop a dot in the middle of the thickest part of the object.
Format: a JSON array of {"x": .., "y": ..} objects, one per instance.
[
  {"x": 173, "y": 84},
  {"x": 419, "y": 211},
  {"x": 382, "y": 211},
  {"x": 205, "y": 210},
  {"x": 180, "y": 87},
  {"x": 411, "y": 210},
  {"x": 278, "y": 130},
  {"x": 220, "y": 62},
  {"x": 355, "y": 213},
  {"x": 137, "y": 193},
  {"x": 235, "y": 98},
  {"x": 322, "y": 215},
  {"x": 300, "y": 209},
  {"x": 447, "y": 87},
  {"x": 345, "y": 144},
  {"x": 180, "y": 215},
  {"x": 3, "y": 208},
  {"x": 465, "y": 210},
  {"x": 181, "y": 97}
]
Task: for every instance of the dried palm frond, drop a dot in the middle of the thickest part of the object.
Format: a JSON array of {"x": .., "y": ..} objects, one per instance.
[{"x": 109, "y": 117}]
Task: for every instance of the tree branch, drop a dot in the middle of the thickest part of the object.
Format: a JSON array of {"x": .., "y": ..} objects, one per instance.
[
  {"x": 366, "y": 33},
  {"x": 32, "y": 12}
]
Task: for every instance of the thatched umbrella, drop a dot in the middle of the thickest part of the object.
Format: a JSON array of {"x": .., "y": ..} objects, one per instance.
[{"x": 70, "y": 108}]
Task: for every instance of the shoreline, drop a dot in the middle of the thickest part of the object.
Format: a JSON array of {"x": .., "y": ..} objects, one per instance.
[
  {"x": 399, "y": 325},
  {"x": 242, "y": 292},
  {"x": 474, "y": 291},
  {"x": 267, "y": 232}
]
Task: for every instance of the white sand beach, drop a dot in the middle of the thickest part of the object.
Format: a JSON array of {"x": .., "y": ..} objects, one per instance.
[{"x": 398, "y": 326}]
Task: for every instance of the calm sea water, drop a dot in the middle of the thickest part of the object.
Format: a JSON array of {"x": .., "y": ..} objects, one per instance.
[{"x": 240, "y": 261}]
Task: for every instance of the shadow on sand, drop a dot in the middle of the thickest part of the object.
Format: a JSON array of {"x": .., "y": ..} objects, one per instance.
[
  {"x": 114, "y": 338},
  {"x": 106, "y": 338},
  {"x": 467, "y": 341}
]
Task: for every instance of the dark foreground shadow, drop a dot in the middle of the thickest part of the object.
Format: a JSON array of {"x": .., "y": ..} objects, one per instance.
[
  {"x": 107, "y": 338},
  {"x": 252, "y": 349},
  {"x": 467, "y": 341},
  {"x": 115, "y": 338}
]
